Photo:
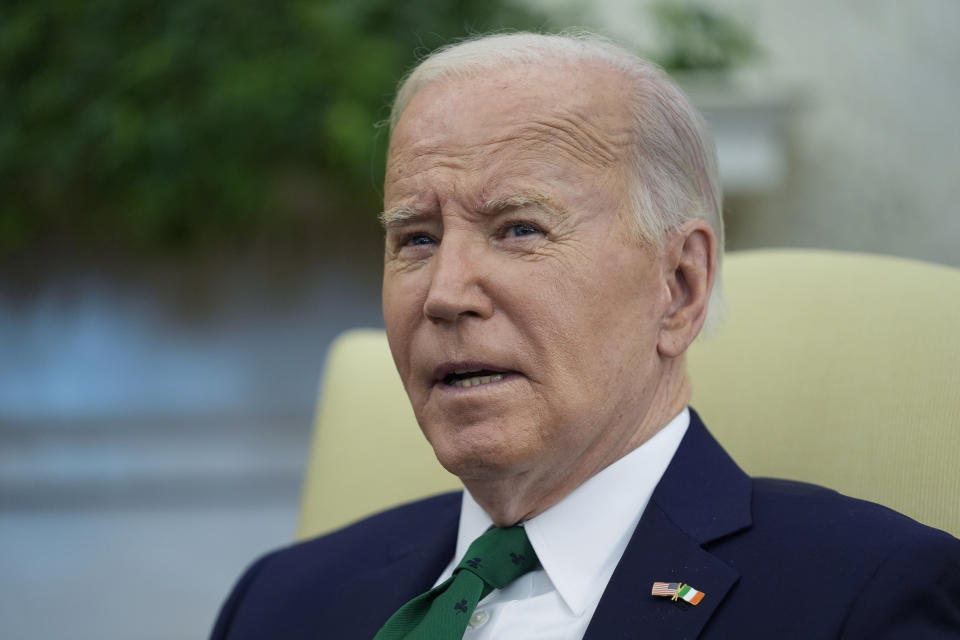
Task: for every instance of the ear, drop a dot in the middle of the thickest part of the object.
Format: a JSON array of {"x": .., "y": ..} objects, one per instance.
[{"x": 689, "y": 268}]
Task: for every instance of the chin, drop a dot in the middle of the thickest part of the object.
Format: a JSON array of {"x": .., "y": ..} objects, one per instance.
[{"x": 483, "y": 460}]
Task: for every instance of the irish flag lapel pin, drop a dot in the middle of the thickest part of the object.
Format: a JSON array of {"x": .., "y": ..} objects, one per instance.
[{"x": 677, "y": 591}]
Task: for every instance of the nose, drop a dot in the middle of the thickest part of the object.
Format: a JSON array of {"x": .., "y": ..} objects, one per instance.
[{"x": 458, "y": 282}]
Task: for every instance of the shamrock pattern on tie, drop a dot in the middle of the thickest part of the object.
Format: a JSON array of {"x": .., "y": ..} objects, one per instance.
[{"x": 494, "y": 560}]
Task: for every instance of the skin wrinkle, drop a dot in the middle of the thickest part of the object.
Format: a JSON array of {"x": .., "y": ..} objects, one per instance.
[
  {"x": 397, "y": 216},
  {"x": 569, "y": 132},
  {"x": 612, "y": 178},
  {"x": 585, "y": 143}
]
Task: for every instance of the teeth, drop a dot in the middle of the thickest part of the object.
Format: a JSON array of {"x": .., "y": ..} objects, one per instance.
[{"x": 466, "y": 383}]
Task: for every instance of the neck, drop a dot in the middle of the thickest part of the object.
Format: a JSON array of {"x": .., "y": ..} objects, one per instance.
[{"x": 515, "y": 498}]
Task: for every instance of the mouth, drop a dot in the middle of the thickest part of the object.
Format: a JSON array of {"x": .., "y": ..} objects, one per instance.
[{"x": 466, "y": 376}]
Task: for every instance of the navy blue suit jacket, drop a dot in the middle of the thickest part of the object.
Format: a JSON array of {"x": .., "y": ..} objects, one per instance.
[{"x": 776, "y": 559}]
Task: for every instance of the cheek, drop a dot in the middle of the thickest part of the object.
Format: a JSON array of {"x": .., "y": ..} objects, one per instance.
[
  {"x": 401, "y": 309},
  {"x": 402, "y": 296},
  {"x": 610, "y": 321}
]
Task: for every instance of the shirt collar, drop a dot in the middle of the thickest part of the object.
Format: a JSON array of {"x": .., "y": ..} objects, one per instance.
[{"x": 580, "y": 540}]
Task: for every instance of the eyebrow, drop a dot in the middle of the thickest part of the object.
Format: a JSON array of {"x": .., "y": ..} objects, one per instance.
[
  {"x": 397, "y": 216},
  {"x": 518, "y": 201}
]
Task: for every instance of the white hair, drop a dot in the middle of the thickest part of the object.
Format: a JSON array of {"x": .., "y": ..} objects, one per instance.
[{"x": 673, "y": 170}]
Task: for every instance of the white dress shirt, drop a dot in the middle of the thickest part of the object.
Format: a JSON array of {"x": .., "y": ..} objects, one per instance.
[{"x": 579, "y": 542}]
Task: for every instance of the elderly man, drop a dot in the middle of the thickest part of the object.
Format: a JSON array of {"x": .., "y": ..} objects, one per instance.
[{"x": 553, "y": 235}]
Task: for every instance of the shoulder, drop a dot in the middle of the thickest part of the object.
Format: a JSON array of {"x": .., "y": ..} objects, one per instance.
[
  {"x": 387, "y": 533},
  {"x": 396, "y": 528},
  {"x": 805, "y": 521},
  {"x": 798, "y": 512},
  {"x": 864, "y": 568},
  {"x": 294, "y": 584}
]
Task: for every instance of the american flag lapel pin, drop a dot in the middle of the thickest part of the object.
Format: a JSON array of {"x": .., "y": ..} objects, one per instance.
[{"x": 677, "y": 591}]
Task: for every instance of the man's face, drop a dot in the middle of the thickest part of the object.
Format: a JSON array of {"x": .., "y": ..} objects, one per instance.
[{"x": 522, "y": 312}]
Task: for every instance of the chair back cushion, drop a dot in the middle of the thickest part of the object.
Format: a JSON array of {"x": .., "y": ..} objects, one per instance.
[{"x": 843, "y": 370}]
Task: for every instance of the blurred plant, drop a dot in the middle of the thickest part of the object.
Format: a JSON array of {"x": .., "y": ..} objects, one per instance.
[
  {"x": 694, "y": 37},
  {"x": 148, "y": 126}
]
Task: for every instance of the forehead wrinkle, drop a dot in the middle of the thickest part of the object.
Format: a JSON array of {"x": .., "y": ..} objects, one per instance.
[
  {"x": 436, "y": 152},
  {"x": 578, "y": 137},
  {"x": 424, "y": 156}
]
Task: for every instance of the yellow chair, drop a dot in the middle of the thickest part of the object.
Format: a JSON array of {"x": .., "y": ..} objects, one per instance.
[{"x": 834, "y": 368}]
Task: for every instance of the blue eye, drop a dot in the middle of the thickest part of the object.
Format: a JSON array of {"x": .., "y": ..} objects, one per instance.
[
  {"x": 418, "y": 239},
  {"x": 521, "y": 229}
]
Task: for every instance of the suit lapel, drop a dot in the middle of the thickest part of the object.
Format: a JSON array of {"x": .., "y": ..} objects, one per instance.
[
  {"x": 410, "y": 568},
  {"x": 659, "y": 552},
  {"x": 702, "y": 497}
]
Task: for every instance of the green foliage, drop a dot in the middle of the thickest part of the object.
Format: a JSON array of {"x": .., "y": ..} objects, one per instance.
[
  {"x": 152, "y": 125},
  {"x": 696, "y": 38}
]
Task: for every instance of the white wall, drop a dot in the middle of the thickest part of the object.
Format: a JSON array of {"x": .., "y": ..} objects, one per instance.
[{"x": 875, "y": 142}]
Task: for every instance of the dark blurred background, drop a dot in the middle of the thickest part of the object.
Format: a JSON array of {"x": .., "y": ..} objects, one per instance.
[{"x": 188, "y": 199}]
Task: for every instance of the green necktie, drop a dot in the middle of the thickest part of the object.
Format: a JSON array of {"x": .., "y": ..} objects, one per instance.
[{"x": 493, "y": 561}]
